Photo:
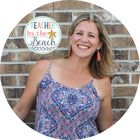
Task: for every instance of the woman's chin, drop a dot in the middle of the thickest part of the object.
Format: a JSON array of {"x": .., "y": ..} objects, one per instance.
[{"x": 82, "y": 54}]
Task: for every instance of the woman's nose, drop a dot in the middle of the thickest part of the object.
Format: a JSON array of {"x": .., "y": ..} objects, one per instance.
[{"x": 84, "y": 38}]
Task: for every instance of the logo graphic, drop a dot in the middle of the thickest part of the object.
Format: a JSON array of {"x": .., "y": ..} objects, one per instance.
[{"x": 42, "y": 35}]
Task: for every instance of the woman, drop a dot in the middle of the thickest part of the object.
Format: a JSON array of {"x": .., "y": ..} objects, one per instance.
[{"x": 73, "y": 94}]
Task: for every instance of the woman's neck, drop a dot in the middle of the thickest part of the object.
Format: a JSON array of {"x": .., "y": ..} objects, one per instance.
[{"x": 77, "y": 64}]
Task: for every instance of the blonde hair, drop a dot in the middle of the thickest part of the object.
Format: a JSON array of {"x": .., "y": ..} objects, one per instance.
[{"x": 105, "y": 66}]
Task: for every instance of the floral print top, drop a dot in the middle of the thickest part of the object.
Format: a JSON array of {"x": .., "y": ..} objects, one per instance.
[{"x": 66, "y": 113}]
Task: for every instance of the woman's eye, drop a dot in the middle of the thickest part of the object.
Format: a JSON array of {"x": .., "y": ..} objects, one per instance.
[
  {"x": 92, "y": 36},
  {"x": 79, "y": 33}
]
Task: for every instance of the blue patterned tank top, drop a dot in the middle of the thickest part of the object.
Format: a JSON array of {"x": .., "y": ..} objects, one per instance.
[{"x": 66, "y": 113}]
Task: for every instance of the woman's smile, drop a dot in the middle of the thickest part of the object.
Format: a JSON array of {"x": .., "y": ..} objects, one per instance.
[{"x": 84, "y": 47}]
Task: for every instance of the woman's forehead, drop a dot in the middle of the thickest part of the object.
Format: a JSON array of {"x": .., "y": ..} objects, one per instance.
[{"x": 87, "y": 25}]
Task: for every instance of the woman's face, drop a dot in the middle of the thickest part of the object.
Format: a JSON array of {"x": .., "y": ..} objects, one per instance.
[{"x": 85, "y": 39}]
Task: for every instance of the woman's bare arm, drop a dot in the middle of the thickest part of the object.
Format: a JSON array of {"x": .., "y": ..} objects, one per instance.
[
  {"x": 23, "y": 107},
  {"x": 104, "y": 119}
]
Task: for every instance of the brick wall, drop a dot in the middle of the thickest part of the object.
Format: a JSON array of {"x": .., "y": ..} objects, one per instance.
[{"x": 17, "y": 60}]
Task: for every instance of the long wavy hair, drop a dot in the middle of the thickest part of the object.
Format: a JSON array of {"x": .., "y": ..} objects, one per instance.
[{"x": 106, "y": 65}]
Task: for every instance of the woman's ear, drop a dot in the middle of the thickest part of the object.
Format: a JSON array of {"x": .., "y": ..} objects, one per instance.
[
  {"x": 70, "y": 42},
  {"x": 69, "y": 38},
  {"x": 100, "y": 44}
]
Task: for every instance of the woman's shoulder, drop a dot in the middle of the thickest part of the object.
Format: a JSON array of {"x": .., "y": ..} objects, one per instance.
[
  {"x": 43, "y": 64},
  {"x": 103, "y": 86},
  {"x": 40, "y": 64},
  {"x": 103, "y": 81},
  {"x": 39, "y": 69}
]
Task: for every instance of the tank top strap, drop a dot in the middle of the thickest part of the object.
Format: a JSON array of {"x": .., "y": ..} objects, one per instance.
[
  {"x": 48, "y": 72},
  {"x": 93, "y": 88},
  {"x": 49, "y": 68}
]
